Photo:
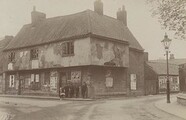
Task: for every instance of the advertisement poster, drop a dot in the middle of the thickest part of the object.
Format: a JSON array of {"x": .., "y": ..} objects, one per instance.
[
  {"x": 53, "y": 81},
  {"x": 109, "y": 82},
  {"x": 133, "y": 81},
  {"x": 174, "y": 83}
]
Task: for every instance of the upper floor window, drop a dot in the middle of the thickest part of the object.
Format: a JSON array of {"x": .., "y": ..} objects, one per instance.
[
  {"x": 11, "y": 57},
  {"x": 34, "y": 54},
  {"x": 68, "y": 48}
]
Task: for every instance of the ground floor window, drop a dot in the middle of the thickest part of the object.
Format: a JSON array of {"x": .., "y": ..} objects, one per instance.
[
  {"x": 133, "y": 81},
  {"x": 11, "y": 81}
]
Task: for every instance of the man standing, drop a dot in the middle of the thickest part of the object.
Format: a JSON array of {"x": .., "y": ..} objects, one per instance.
[{"x": 84, "y": 89}]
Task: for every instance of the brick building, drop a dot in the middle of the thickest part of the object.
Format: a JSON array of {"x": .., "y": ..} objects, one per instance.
[
  {"x": 156, "y": 78},
  {"x": 84, "y": 47}
]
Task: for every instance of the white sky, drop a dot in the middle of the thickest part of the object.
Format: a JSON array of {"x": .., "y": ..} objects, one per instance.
[{"x": 15, "y": 13}]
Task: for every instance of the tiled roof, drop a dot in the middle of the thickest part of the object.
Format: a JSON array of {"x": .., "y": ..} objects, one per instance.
[
  {"x": 75, "y": 25},
  {"x": 161, "y": 68},
  {"x": 171, "y": 61},
  {"x": 3, "y": 44}
]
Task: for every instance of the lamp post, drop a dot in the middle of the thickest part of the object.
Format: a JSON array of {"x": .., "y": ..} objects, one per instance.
[{"x": 166, "y": 42}]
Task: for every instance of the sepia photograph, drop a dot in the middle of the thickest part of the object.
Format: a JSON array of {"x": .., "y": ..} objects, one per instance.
[{"x": 92, "y": 59}]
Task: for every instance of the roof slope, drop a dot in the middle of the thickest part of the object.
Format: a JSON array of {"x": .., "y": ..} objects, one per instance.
[
  {"x": 161, "y": 68},
  {"x": 3, "y": 44},
  {"x": 171, "y": 61},
  {"x": 79, "y": 24}
]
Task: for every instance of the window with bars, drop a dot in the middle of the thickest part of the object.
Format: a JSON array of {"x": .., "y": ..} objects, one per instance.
[
  {"x": 34, "y": 54},
  {"x": 11, "y": 57},
  {"x": 68, "y": 48}
]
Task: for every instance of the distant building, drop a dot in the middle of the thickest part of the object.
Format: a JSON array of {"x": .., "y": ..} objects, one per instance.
[
  {"x": 3, "y": 43},
  {"x": 156, "y": 78},
  {"x": 172, "y": 60},
  {"x": 86, "y": 47}
]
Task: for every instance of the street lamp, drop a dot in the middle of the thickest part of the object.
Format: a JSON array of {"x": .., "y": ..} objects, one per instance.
[{"x": 166, "y": 43}]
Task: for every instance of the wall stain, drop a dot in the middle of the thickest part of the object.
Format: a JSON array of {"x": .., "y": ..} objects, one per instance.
[{"x": 99, "y": 49}]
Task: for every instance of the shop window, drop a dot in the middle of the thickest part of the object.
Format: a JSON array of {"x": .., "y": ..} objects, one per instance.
[
  {"x": 35, "y": 82},
  {"x": 12, "y": 81},
  {"x": 11, "y": 57},
  {"x": 68, "y": 48},
  {"x": 34, "y": 54}
]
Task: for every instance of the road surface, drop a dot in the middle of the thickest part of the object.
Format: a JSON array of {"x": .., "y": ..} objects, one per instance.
[{"x": 140, "y": 108}]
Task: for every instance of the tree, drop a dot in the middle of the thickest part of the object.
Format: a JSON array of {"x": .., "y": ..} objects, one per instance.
[{"x": 171, "y": 15}]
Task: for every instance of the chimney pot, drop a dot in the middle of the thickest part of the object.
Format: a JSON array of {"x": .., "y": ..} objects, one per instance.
[{"x": 146, "y": 56}]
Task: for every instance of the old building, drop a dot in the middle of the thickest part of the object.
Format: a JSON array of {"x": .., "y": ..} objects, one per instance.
[
  {"x": 3, "y": 43},
  {"x": 182, "y": 74},
  {"x": 86, "y": 47},
  {"x": 156, "y": 78}
]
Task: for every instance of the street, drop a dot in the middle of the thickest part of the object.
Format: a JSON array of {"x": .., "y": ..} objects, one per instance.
[{"x": 141, "y": 108}]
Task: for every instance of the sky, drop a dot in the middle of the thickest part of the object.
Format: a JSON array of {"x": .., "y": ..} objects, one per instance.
[{"x": 15, "y": 13}]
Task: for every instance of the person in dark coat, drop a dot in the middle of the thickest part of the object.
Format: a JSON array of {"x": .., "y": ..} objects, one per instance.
[
  {"x": 71, "y": 90},
  {"x": 84, "y": 89},
  {"x": 76, "y": 88},
  {"x": 66, "y": 91}
]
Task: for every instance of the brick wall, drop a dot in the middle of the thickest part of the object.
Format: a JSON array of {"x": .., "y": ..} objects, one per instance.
[
  {"x": 151, "y": 81},
  {"x": 136, "y": 66},
  {"x": 98, "y": 78}
]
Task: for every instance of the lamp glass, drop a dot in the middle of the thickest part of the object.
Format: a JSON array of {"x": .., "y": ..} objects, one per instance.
[{"x": 166, "y": 42}]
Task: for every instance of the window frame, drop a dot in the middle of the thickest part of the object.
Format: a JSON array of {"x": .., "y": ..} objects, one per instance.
[
  {"x": 34, "y": 54},
  {"x": 11, "y": 57},
  {"x": 11, "y": 81},
  {"x": 67, "y": 48}
]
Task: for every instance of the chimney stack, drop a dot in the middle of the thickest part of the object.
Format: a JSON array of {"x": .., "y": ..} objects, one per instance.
[
  {"x": 122, "y": 15},
  {"x": 37, "y": 16},
  {"x": 146, "y": 56},
  {"x": 98, "y": 7}
]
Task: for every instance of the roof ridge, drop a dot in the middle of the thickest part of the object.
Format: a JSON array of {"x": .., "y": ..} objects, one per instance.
[
  {"x": 66, "y": 15},
  {"x": 160, "y": 63}
]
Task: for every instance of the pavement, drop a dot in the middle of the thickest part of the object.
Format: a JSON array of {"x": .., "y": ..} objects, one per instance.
[
  {"x": 45, "y": 97},
  {"x": 173, "y": 108}
]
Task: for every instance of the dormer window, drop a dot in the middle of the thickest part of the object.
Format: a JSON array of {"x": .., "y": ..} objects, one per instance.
[
  {"x": 11, "y": 57},
  {"x": 34, "y": 54},
  {"x": 68, "y": 48}
]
